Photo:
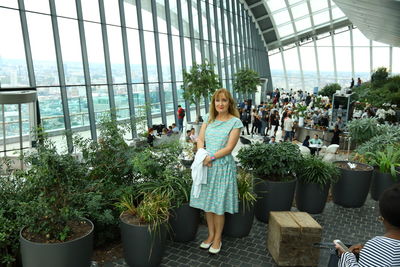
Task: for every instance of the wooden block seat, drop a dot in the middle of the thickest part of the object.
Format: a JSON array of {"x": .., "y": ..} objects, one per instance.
[{"x": 291, "y": 236}]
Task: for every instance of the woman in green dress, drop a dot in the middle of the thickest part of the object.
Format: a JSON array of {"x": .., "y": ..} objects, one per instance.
[{"x": 219, "y": 135}]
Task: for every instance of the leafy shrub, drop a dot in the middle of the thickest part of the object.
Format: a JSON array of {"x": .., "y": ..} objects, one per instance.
[
  {"x": 246, "y": 81},
  {"x": 387, "y": 160},
  {"x": 276, "y": 162},
  {"x": 245, "y": 189},
  {"x": 362, "y": 130},
  {"x": 313, "y": 170},
  {"x": 379, "y": 77},
  {"x": 329, "y": 89}
]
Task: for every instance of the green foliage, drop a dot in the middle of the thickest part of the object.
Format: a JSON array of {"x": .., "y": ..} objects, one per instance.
[
  {"x": 12, "y": 194},
  {"x": 362, "y": 130},
  {"x": 56, "y": 188},
  {"x": 387, "y": 160},
  {"x": 313, "y": 170},
  {"x": 246, "y": 81},
  {"x": 245, "y": 189},
  {"x": 300, "y": 110},
  {"x": 379, "y": 77},
  {"x": 276, "y": 162},
  {"x": 200, "y": 81},
  {"x": 329, "y": 90}
]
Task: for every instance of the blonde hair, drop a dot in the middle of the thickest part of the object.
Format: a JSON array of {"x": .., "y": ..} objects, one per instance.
[{"x": 232, "y": 105}]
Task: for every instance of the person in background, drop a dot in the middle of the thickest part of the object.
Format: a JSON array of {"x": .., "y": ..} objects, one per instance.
[
  {"x": 175, "y": 129},
  {"x": 169, "y": 131},
  {"x": 382, "y": 251},
  {"x": 336, "y": 137},
  {"x": 317, "y": 144},
  {"x": 352, "y": 83},
  {"x": 187, "y": 137},
  {"x": 165, "y": 131},
  {"x": 288, "y": 127},
  {"x": 150, "y": 137},
  {"x": 256, "y": 122},
  {"x": 272, "y": 141},
  {"x": 193, "y": 135},
  {"x": 245, "y": 118},
  {"x": 359, "y": 82},
  {"x": 306, "y": 141},
  {"x": 181, "y": 116}
]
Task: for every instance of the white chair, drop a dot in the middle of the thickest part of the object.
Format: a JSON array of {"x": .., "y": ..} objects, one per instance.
[
  {"x": 330, "y": 153},
  {"x": 304, "y": 150}
]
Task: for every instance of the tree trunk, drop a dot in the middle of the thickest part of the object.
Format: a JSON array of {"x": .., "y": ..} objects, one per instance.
[{"x": 197, "y": 109}]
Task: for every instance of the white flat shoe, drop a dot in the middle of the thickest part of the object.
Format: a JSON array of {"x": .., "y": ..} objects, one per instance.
[
  {"x": 215, "y": 250},
  {"x": 205, "y": 245}
]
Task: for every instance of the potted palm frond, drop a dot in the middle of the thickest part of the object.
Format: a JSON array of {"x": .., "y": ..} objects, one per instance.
[
  {"x": 387, "y": 172},
  {"x": 239, "y": 224},
  {"x": 55, "y": 233},
  {"x": 273, "y": 167},
  {"x": 144, "y": 229},
  {"x": 314, "y": 177}
]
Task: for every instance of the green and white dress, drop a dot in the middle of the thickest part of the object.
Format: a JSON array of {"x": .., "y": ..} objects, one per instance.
[{"x": 220, "y": 194}]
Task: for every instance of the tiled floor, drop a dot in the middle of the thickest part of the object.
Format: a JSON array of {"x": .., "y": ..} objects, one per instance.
[{"x": 349, "y": 225}]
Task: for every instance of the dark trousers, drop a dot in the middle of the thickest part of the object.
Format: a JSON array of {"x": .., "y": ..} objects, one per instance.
[
  {"x": 246, "y": 124},
  {"x": 180, "y": 124}
]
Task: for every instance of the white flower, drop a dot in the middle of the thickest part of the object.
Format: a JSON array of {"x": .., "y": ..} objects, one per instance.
[
  {"x": 394, "y": 106},
  {"x": 391, "y": 112}
]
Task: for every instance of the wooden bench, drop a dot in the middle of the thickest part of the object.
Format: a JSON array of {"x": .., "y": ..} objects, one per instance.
[{"x": 291, "y": 236}]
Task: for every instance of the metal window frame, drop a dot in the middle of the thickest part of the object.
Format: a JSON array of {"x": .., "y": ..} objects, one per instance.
[
  {"x": 352, "y": 52},
  {"x": 217, "y": 42},
  {"x": 230, "y": 46},
  {"x": 224, "y": 44}
]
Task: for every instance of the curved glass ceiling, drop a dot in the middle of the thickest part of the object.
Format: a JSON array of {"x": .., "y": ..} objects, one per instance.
[{"x": 292, "y": 17}]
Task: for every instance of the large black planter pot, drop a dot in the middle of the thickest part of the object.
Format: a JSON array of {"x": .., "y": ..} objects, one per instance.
[
  {"x": 311, "y": 198},
  {"x": 352, "y": 188},
  {"x": 184, "y": 222},
  {"x": 239, "y": 224},
  {"x": 141, "y": 246},
  {"x": 380, "y": 182},
  {"x": 77, "y": 252},
  {"x": 272, "y": 196}
]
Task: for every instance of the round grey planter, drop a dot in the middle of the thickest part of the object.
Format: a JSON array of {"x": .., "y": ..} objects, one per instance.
[
  {"x": 184, "y": 222},
  {"x": 239, "y": 224},
  {"x": 142, "y": 247},
  {"x": 272, "y": 196},
  {"x": 77, "y": 253},
  {"x": 380, "y": 182},
  {"x": 352, "y": 188},
  {"x": 311, "y": 198}
]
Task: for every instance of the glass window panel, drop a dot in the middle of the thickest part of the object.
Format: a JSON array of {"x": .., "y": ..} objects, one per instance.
[
  {"x": 275, "y": 62},
  {"x": 326, "y": 41},
  {"x": 226, "y": 27},
  {"x": 42, "y": 46},
  {"x": 154, "y": 98},
  {"x": 212, "y": 22},
  {"x": 204, "y": 20},
  {"x": 219, "y": 20},
  {"x": 206, "y": 50},
  {"x": 359, "y": 39},
  {"x": 308, "y": 61},
  {"x": 37, "y": 5},
  {"x": 169, "y": 103},
  {"x": 173, "y": 11},
  {"x": 291, "y": 2},
  {"x": 195, "y": 17},
  {"x": 13, "y": 70},
  {"x": 380, "y": 57},
  {"x": 121, "y": 102},
  {"x": 71, "y": 51},
  {"x": 51, "y": 111},
  {"x": 299, "y": 10},
  {"x": 309, "y": 84},
  {"x": 161, "y": 20},
  {"x": 94, "y": 43},
  {"x": 164, "y": 51},
  {"x": 343, "y": 63},
  {"x": 276, "y": 5},
  {"x": 337, "y": 13},
  {"x": 177, "y": 57},
  {"x": 101, "y": 101},
  {"x": 379, "y": 44},
  {"x": 147, "y": 16},
  {"x": 151, "y": 59},
  {"x": 318, "y": 5},
  {"x": 116, "y": 54},
  {"x": 130, "y": 14},
  {"x": 111, "y": 9},
  {"x": 221, "y": 48},
  {"x": 134, "y": 55},
  {"x": 281, "y": 17},
  {"x": 138, "y": 98},
  {"x": 66, "y": 8},
  {"x": 396, "y": 60},
  {"x": 10, "y": 3},
  {"x": 303, "y": 24},
  {"x": 292, "y": 62},
  {"x": 362, "y": 63},
  {"x": 321, "y": 18},
  {"x": 285, "y": 30},
  {"x": 185, "y": 17},
  {"x": 78, "y": 107},
  {"x": 188, "y": 53},
  {"x": 181, "y": 100},
  {"x": 214, "y": 55},
  {"x": 90, "y": 10},
  {"x": 325, "y": 57},
  {"x": 342, "y": 39},
  {"x": 295, "y": 82}
]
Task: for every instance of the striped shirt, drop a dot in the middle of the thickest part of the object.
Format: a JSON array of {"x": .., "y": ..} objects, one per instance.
[{"x": 380, "y": 251}]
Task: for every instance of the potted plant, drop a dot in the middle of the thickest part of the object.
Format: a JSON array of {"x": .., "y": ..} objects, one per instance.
[
  {"x": 200, "y": 81},
  {"x": 144, "y": 229},
  {"x": 239, "y": 224},
  {"x": 387, "y": 172},
  {"x": 362, "y": 130},
  {"x": 56, "y": 233},
  {"x": 300, "y": 111},
  {"x": 246, "y": 81},
  {"x": 352, "y": 187},
  {"x": 314, "y": 177},
  {"x": 273, "y": 167}
]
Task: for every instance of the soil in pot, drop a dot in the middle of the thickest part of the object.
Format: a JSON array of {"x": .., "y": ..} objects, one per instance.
[
  {"x": 142, "y": 246},
  {"x": 76, "y": 252},
  {"x": 352, "y": 188}
]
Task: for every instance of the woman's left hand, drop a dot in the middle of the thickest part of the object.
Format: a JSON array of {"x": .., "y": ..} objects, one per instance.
[{"x": 207, "y": 161}]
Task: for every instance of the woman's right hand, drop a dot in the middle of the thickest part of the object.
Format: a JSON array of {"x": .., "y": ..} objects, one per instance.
[
  {"x": 356, "y": 248},
  {"x": 207, "y": 161}
]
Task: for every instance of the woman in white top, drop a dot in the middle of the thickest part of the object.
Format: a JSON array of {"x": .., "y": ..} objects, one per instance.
[{"x": 380, "y": 251}]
